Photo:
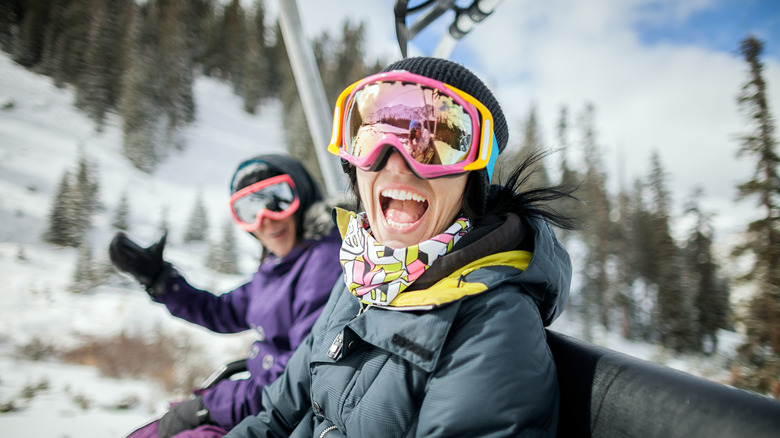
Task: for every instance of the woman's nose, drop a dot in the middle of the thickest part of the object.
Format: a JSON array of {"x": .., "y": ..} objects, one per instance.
[{"x": 396, "y": 163}]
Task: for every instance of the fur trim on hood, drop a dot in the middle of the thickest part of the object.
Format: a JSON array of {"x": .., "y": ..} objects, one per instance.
[{"x": 318, "y": 221}]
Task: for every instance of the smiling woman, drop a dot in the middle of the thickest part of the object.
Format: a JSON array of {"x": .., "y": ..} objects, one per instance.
[
  {"x": 273, "y": 198},
  {"x": 449, "y": 280}
]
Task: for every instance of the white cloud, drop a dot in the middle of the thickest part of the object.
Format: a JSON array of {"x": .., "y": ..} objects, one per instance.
[{"x": 678, "y": 100}]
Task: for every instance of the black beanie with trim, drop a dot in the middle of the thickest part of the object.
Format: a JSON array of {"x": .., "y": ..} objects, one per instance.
[{"x": 262, "y": 167}]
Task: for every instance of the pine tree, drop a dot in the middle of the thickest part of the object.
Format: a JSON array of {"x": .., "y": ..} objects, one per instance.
[
  {"x": 60, "y": 39},
  {"x": 256, "y": 61},
  {"x": 532, "y": 144},
  {"x": 98, "y": 85},
  {"x": 229, "y": 256},
  {"x": 143, "y": 127},
  {"x": 568, "y": 176},
  {"x": 176, "y": 52},
  {"x": 222, "y": 254},
  {"x": 277, "y": 62},
  {"x": 625, "y": 275},
  {"x": 342, "y": 62},
  {"x": 157, "y": 95},
  {"x": 11, "y": 13},
  {"x": 198, "y": 225},
  {"x": 122, "y": 216},
  {"x": 211, "y": 57},
  {"x": 85, "y": 276},
  {"x": 35, "y": 18},
  {"x": 674, "y": 308},
  {"x": 87, "y": 197},
  {"x": 62, "y": 228},
  {"x": 234, "y": 44},
  {"x": 711, "y": 295},
  {"x": 75, "y": 204},
  {"x": 66, "y": 43},
  {"x": 596, "y": 285},
  {"x": 643, "y": 264},
  {"x": 197, "y": 16},
  {"x": 759, "y": 355}
]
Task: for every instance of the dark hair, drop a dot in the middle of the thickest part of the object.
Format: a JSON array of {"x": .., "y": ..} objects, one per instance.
[{"x": 514, "y": 197}]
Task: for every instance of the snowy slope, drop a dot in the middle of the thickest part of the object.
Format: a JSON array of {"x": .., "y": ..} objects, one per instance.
[{"x": 41, "y": 136}]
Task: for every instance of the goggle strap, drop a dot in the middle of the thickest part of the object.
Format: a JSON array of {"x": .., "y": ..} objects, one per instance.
[{"x": 492, "y": 159}]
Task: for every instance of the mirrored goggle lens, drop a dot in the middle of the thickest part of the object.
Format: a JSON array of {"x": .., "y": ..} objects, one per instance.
[
  {"x": 431, "y": 125},
  {"x": 276, "y": 198}
]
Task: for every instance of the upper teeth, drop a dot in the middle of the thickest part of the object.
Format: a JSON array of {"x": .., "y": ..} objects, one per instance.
[{"x": 402, "y": 195}]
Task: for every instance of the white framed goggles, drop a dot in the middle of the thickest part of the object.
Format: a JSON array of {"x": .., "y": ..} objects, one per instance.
[
  {"x": 438, "y": 129},
  {"x": 274, "y": 198}
]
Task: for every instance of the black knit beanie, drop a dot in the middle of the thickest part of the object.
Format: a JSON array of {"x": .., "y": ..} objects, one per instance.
[
  {"x": 267, "y": 166},
  {"x": 452, "y": 73}
]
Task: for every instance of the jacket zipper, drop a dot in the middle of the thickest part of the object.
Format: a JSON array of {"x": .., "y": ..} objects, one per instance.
[
  {"x": 328, "y": 429},
  {"x": 335, "y": 346}
]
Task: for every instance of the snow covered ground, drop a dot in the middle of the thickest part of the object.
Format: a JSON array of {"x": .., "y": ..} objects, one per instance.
[{"x": 41, "y": 136}]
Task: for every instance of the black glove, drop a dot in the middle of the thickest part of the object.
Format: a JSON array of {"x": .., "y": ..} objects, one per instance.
[
  {"x": 145, "y": 264},
  {"x": 187, "y": 415}
]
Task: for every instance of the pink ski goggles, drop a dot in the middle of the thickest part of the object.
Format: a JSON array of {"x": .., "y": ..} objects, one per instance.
[
  {"x": 274, "y": 198},
  {"x": 438, "y": 129}
]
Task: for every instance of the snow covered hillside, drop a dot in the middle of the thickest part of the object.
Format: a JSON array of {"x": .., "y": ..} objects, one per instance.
[{"x": 41, "y": 136}]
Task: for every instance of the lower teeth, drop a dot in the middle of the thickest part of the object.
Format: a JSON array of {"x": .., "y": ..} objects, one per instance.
[{"x": 395, "y": 224}]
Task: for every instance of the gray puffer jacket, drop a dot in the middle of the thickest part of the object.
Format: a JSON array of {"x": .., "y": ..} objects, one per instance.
[{"x": 466, "y": 356}]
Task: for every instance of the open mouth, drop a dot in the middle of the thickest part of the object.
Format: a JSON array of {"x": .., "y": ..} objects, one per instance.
[{"x": 402, "y": 208}]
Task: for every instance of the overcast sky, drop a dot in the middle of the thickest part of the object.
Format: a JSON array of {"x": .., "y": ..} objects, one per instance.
[{"x": 662, "y": 75}]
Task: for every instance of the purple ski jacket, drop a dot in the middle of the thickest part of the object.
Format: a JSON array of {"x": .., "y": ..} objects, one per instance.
[{"x": 281, "y": 303}]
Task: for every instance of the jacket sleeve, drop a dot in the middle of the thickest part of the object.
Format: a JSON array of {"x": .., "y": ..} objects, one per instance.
[
  {"x": 224, "y": 313},
  {"x": 232, "y": 400},
  {"x": 286, "y": 401},
  {"x": 496, "y": 375},
  {"x": 311, "y": 293}
]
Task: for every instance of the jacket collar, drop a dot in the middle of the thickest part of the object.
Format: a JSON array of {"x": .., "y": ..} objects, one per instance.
[{"x": 418, "y": 336}]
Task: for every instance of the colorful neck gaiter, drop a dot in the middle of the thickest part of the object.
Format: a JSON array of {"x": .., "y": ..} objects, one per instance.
[{"x": 376, "y": 273}]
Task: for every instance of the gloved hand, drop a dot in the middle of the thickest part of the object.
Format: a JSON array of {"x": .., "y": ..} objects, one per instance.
[
  {"x": 186, "y": 415},
  {"x": 145, "y": 264}
]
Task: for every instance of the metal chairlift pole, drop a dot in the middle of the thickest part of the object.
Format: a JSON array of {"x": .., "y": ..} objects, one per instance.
[{"x": 312, "y": 92}]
